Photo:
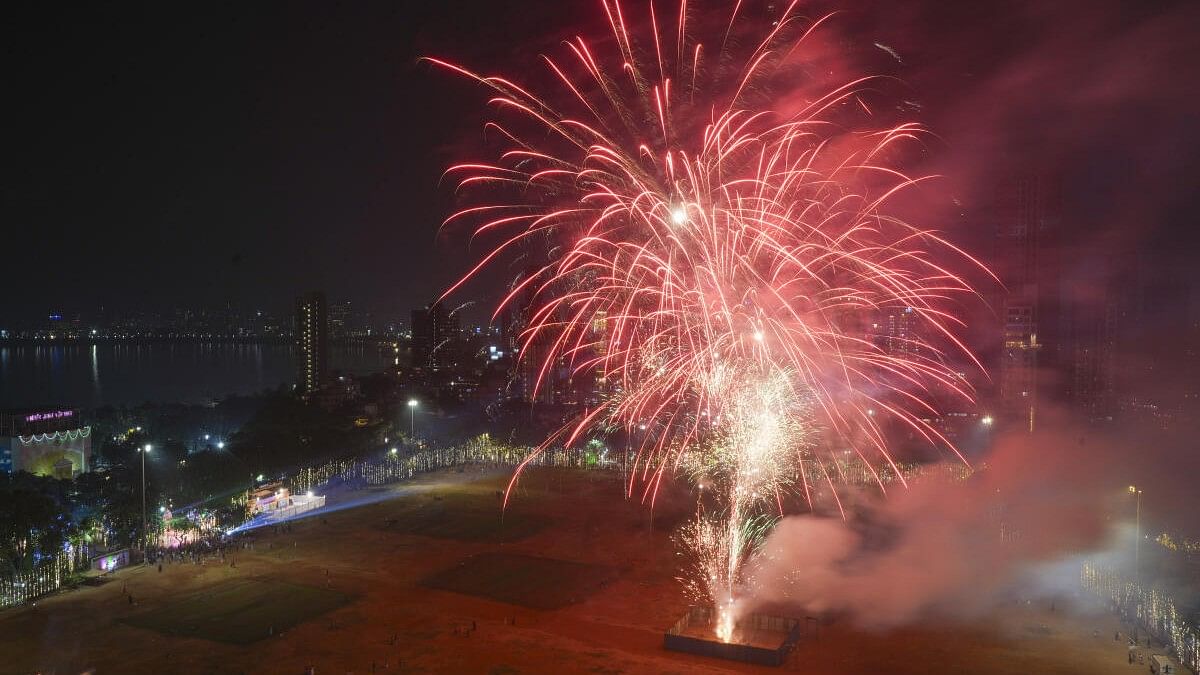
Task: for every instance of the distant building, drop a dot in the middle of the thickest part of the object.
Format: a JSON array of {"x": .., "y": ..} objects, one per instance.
[
  {"x": 338, "y": 391},
  {"x": 45, "y": 442},
  {"x": 537, "y": 382},
  {"x": 565, "y": 380},
  {"x": 434, "y": 332},
  {"x": 339, "y": 320},
  {"x": 578, "y": 379},
  {"x": 1026, "y": 215},
  {"x": 599, "y": 388},
  {"x": 1019, "y": 364},
  {"x": 896, "y": 331},
  {"x": 1093, "y": 362},
  {"x": 970, "y": 433},
  {"x": 312, "y": 340}
]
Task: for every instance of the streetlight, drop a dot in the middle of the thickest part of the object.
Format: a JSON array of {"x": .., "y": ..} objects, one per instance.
[
  {"x": 145, "y": 451},
  {"x": 220, "y": 445},
  {"x": 1137, "y": 549},
  {"x": 1137, "y": 546},
  {"x": 412, "y": 417}
]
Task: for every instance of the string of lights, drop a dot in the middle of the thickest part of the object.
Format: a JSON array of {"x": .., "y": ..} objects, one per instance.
[
  {"x": 392, "y": 467},
  {"x": 71, "y": 435},
  {"x": 1152, "y": 608},
  {"x": 46, "y": 578}
]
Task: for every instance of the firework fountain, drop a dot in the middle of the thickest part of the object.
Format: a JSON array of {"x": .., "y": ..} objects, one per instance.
[{"x": 711, "y": 229}]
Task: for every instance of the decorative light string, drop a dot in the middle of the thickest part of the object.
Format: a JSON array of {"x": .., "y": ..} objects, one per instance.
[
  {"x": 1154, "y": 609},
  {"x": 45, "y": 578},
  {"x": 71, "y": 435}
]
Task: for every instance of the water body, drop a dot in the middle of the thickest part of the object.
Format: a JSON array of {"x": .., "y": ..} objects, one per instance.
[{"x": 128, "y": 374}]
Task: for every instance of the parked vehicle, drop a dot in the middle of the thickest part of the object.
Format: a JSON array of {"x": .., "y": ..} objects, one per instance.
[{"x": 1162, "y": 665}]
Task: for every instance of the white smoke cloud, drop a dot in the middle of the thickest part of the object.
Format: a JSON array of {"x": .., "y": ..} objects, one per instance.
[{"x": 954, "y": 549}]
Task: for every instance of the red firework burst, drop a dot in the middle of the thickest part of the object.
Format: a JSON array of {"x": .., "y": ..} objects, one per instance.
[{"x": 714, "y": 231}]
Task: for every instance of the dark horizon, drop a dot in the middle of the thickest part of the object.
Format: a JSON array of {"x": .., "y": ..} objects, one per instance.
[{"x": 248, "y": 154}]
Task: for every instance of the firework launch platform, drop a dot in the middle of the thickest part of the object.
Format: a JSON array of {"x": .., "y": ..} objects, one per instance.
[{"x": 758, "y": 638}]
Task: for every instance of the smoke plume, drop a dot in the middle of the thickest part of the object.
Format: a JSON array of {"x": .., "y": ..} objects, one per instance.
[{"x": 1016, "y": 528}]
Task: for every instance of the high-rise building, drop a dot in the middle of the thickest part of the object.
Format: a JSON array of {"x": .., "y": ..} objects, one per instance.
[
  {"x": 1093, "y": 367},
  {"x": 599, "y": 387},
  {"x": 434, "y": 333},
  {"x": 1026, "y": 216},
  {"x": 339, "y": 320},
  {"x": 422, "y": 336},
  {"x": 895, "y": 330},
  {"x": 1019, "y": 364},
  {"x": 312, "y": 340},
  {"x": 1090, "y": 313}
]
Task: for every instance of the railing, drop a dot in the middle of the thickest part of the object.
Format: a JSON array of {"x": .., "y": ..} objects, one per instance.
[{"x": 299, "y": 505}]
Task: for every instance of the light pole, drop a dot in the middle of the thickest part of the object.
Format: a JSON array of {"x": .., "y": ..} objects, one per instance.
[
  {"x": 1137, "y": 551},
  {"x": 1137, "y": 546},
  {"x": 145, "y": 451},
  {"x": 412, "y": 417}
]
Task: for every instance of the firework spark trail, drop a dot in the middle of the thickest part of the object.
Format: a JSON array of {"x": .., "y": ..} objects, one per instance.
[
  {"x": 748, "y": 461},
  {"x": 731, "y": 242}
]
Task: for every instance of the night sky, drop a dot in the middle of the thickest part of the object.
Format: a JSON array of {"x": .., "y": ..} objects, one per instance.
[{"x": 247, "y": 152}]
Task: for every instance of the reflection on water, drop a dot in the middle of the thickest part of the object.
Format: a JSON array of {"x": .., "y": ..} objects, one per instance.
[
  {"x": 102, "y": 374},
  {"x": 95, "y": 372}
]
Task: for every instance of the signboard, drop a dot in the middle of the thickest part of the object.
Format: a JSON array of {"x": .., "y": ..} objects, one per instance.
[
  {"x": 112, "y": 561},
  {"x": 49, "y": 415}
]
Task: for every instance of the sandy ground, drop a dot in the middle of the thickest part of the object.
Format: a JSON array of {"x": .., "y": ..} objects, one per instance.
[{"x": 394, "y": 623}]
